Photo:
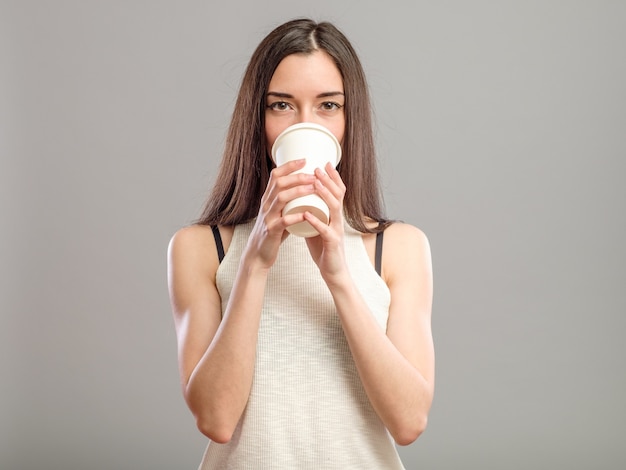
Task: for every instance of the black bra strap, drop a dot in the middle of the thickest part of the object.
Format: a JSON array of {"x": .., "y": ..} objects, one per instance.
[
  {"x": 378, "y": 256},
  {"x": 218, "y": 242}
]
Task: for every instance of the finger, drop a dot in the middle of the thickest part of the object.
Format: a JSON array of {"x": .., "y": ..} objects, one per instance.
[
  {"x": 328, "y": 233},
  {"x": 289, "y": 167},
  {"x": 281, "y": 180},
  {"x": 281, "y": 198},
  {"x": 321, "y": 227},
  {"x": 332, "y": 181},
  {"x": 281, "y": 223},
  {"x": 330, "y": 193},
  {"x": 335, "y": 176},
  {"x": 293, "y": 218}
]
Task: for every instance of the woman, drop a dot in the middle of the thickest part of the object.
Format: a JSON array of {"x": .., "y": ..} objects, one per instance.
[{"x": 295, "y": 353}]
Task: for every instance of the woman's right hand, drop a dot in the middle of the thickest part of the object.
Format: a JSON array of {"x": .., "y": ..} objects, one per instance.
[
  {"x": 269, "y": 230},
  {"x": 210, "y": 336}
]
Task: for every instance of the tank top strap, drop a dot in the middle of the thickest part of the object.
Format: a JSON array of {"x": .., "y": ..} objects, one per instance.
[
  {"x": 378, "y": 255},
  {"x": 218, "y": 242}
]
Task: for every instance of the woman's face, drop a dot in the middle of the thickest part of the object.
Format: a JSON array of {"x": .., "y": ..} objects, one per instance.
[{"x": 305, "y": 88}]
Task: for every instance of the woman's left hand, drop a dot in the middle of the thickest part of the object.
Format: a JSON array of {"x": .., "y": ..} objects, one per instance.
[{"x": 327, "y": 248}]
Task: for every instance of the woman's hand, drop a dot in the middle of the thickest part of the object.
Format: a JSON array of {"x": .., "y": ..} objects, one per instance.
[
  {"x": 270, "y": 228},
  {"x": 327, "y": 249}
]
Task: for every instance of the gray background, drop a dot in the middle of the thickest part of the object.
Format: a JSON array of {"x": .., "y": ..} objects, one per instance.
[{"x": 501, "y": 129}]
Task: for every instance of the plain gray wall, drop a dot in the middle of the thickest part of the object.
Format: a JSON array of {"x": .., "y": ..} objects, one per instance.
[{"x": 501, "y": 130}]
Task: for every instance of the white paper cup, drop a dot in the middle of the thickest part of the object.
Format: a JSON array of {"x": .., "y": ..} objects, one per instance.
[{"x": 318, "y": 146}]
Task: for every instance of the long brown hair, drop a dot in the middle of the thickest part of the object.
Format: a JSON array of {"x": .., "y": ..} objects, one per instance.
[{"x": 246, "y": 165}]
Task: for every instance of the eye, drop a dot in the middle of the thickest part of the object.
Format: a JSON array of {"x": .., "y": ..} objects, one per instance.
[
  {"x": 278, "y": 106},
  {"x": 330, "y": 106}
]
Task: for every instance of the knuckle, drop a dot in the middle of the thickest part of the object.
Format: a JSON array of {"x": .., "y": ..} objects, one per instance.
[
  {"x": 280, "y": 184},
  {"x": 305, "y": 189},
  {"x": 275, "y": 173},
  {"x": 282, "y": 198}
]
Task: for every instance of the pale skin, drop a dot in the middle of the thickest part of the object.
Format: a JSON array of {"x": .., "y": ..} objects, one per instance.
[{"x": 396, "y": 366}]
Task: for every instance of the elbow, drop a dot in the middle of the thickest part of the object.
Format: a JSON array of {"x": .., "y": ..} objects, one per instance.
[
  {"x": 213, "y": 419},
  {"x": 220, "y": 434},
  {"x": 408, "y": 433}
]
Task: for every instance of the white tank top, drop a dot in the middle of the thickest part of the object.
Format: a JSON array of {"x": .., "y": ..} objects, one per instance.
[{"x": 307, "y": 409}]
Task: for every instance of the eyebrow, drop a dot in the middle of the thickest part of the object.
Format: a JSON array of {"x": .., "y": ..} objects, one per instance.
[{"x": 326, "y": 94}]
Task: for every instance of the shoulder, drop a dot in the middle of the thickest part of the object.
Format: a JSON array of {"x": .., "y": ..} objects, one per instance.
[
  {"x": 192, "y": 238},
  {"x": 196, "y": 244},
  {"x": 406, "y": 234},
  {"x": 406, "y": 250},
  {"x": 193, "y": 248},
  {"x": 192, "y": 263}
]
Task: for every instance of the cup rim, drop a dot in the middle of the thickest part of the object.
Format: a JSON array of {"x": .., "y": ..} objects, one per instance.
[{"x": 306, "y": 125}]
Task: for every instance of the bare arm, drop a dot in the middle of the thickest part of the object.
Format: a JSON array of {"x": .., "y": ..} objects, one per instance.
[
  {"x": 217, "y": 355},
  {"x": 396, "y": 367}
]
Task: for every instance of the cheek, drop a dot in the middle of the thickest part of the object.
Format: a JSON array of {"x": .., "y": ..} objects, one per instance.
[
  {"x": 338, "y": 132},
  {"x": 270, "y": 137},
  {"x": 273, "y": 130}
]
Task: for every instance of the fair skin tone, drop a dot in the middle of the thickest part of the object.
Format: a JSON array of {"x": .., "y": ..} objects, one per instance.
[{"x": 396, "y": 366}]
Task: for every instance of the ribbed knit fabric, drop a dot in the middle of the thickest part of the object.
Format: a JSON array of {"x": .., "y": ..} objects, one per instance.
[{"x": 307, "y": 409}]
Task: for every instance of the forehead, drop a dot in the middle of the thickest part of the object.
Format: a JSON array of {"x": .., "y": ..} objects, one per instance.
[{"x": 316, "y": 71}]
